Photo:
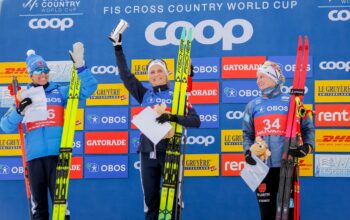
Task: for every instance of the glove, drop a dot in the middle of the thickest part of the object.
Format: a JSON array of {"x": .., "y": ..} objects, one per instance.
[
  {"x": 116, "y": 39},
  {"x": 248, "y": 158},
  {"x": 23, "y": 104},
  {"x": 166, "y": 117},
  {"x": 77, "y": 55},
  {"x": 300, "y": 151},
  {"x": 191, "y": 72}
]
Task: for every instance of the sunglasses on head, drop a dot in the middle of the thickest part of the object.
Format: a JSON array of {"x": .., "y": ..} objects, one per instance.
[{"x": 41, "y": 70}]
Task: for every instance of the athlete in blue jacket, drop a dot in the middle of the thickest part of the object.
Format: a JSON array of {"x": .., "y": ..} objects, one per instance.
[
  {"x": 43, "y": 138},
  {"x": 266, "y": 117},
  {"x": 152, "y": 157}
]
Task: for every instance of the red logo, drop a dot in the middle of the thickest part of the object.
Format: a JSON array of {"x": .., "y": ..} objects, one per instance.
[
  {"x": 331, "y": 115},
  {"x": 15, "y": 71},
  {"x": 205, "y": 93},
  {"x": 241, "y": 67},
  {"x": 76, "y": 168},
  {"x": 135, "y": 111},
  {"x": 232, "y": 164},
  {"x": 262, "y": 188},
  {"x": 106, "y": 142}
]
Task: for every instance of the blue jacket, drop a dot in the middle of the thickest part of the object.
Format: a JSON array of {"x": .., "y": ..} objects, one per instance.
[
  {"x": 44, "y": 138},
  {"x": 266, "y": 117},
  {"x": 151, "y": 97}
]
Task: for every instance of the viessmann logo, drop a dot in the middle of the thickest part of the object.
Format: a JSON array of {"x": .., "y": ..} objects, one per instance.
[
  {"x": 332, "y": 115},
  {"x": 221, "y": 32}
]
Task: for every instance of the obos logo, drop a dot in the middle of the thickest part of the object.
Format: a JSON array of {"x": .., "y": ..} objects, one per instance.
[
  {"x": 339, "y": 15},
  {"x": 209, "y": 116},
  {"x": 106, "y": 118},
  {"x": 223, "y": 33},
  {"x": 200, "y": 140},
  {"x": 232, "y": 92},
  {"x": 94, "y": 168},
  {"x": 4, "y": 169},
  {"x": 153, "y": 100},
  {"x": 105, "y": 70},
  {"x": 106, "y": 167},
  {"x": 335, "y": 65},
  {"x": 53, "y": 23}
]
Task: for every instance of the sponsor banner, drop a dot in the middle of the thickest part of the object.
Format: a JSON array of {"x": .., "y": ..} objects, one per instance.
[
  {"x": 134, "y": 137},
  {"x": 232, "y": 164},
  {"x": 338, "y": 65},
  {"x": 10, "y": 69},
  {"x": 241, "y": 67},
  {"x": 106, "y": 118},
  {"x": 201, "y": 165},
  {"x": 105, "y": 70},
  {"x": 206, "y": 67},
  {"x": 10, "y": 145},
  {"x": 134, "y": 111},
  {"x": 231, "y": 141},
  {"x": 11, "y": 168},
  {"x": 287, "y": 64},
  {"x": 78, "y": 144},
  {"x": 336, "y": 140},
  {"x": 60, "y": 71},
  {"x": 105, "y": 167},
  {"x": 202, "y": 141},
  {"x": 332, "y": 90},
  {"x": 231, "y": 116},
  {"x": 306, "y": 165},
  {"x": 239, "y": 91},
  {"x": 76, "y": 168},
  {"x": 332, "y": 165},
  {"x": 308, "y": 90},
  {"x": 109, "y": 94},
  {"x": 204, "y": 93},
  {"x": 209, "y": 115},
  {"x": 106, "y": 142},
  {"x": 134, "y": 172},
  {"x": 332, "y": 115},
  {"x": 139, "y": 68},
  {"x": 79, "y": 123},
  {"x": 6, "y": 100}
]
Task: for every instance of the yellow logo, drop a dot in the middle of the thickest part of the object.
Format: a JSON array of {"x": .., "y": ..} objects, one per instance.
[
  {"x": 79, "y": 123},
  {"x": 10, "y": 145},
  {"x": 139, "y": 68},
  {"x": 337, "y": 140},
  {"x": 9, "y": 69},
  {"x": 109, "y": 94},
  {"x": 306, "y": 165},
  {"x": 201, "y": 165},
  {"x": 231, "y": 141},
  {"x": 332, "y": 90}
]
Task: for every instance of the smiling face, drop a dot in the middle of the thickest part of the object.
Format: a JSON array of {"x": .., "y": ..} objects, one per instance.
[
  {"x": 264, "y": 81},
  {"x": 40, "y": 78},
  {"x": 157, "y": 76}
]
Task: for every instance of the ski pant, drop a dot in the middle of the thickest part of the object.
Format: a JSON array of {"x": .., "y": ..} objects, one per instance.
[
  {"x": 151, "y": 175},
  {"x": 42, "y": 176}
]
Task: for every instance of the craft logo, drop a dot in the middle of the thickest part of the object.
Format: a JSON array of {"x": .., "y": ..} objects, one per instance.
[
  {"x": 232, "y": 164},
  {"x": 306, "y": 165},
  {"x": 331, "y": 165},
  {"x": 79, "y": 123},
  {"x": 337, "y": 140},
  {"x": 105, "y": 167},
  {"x": 106, "y": 118},
  {"x": 205, "y": 93},
  {"x": 60, "y": 71},
  {"x": 287, "y": 65},
  {"x": 76, "y": 168},
  {"x": 231, "y": 141},
  {"x": 10, "y": 145},
  {"x": 201, "y": 165},
  {"x": 106, "y": 142},
  {"x": 241, "y": 67},
  {"x": 10, "y": 69},
  {"x": 331, "y": 90},
  {"x": 209, "y": 116},
  {"x": 109, "y": 94},
  {"x": 332, "y": 115},
  {"x": 11, "y": 168},
  {"x": 239, "y": 91},
  {"x": 139, "y": 68},
  {"x": 206, "y": 68}
]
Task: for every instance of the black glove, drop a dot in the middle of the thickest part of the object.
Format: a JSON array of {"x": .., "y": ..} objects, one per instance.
[
  {"x": 248, "y": 158},
  {"x": 191, "y": 72},
  {"x": 300, "y": 151},
  {"x": 23, "y": 104},
  {"x": 166, "y": 117}
]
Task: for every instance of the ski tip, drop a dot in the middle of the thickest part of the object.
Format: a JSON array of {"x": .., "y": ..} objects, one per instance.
[
  {"x": 183, "y": 33},
  {"x": 189, "y": 37}
]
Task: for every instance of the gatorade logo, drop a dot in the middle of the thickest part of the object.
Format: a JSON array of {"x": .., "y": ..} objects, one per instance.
[
  {"x": 221, "y": 32},
  {"x": 205, "y": 93},
  {"x": 53, "y": 23}
]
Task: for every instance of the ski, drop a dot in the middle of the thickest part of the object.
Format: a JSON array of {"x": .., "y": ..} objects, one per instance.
[
  {"x": 173, "y": 152},
  {"x": 64, "y": 161},
  {"x": 14, "y": 88},
  {"x": 289, "y": 165}
]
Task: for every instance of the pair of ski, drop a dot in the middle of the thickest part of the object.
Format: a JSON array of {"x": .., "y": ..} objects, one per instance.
[
  {"x": 170, "y": 185},
  {"x": 289, "y": 166}
]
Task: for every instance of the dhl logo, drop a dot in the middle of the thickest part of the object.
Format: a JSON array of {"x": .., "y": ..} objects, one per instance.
[{"x": 334, "y": 138}]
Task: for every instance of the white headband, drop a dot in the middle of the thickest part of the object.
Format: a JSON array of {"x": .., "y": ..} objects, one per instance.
[
  {"x": 269, "y": 70},
  {"x": 159, "y": 62}
]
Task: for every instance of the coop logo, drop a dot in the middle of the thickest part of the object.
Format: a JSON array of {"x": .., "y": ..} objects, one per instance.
[
  {"x": 339, "y": 15},
  {"x": 201, "y": 165},
  {"x": 335, "y": 65},
  {"x": 106, "y": 142},
  {"x": 332, "y": 115},
  {"x": 106, "y": 167},
  {"x": 224, "y": 33},
  {"x": 105, "y": 70},
  {"x": 234, "y": 115},
  {"x": 286, "y": 89},
  {"x": 232, "y": 164},
  {"x": 200, "y": 140},
  {"x": 137, "y": 165},
  {"x": 53, "y": 23},
  {"x": 4, "y": 169}
]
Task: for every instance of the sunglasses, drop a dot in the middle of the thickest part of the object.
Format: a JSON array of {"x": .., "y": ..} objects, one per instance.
[{"x": 41, "y": 70}]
